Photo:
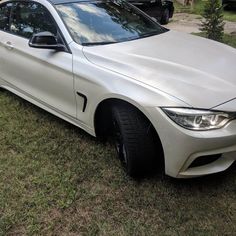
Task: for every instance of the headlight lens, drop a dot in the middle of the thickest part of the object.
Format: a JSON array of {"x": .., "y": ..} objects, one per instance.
[{"x": 195, "y": 119}]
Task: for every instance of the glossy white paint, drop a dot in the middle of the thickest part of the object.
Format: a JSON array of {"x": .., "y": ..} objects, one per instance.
[
  {"x": 183, "y": 146},
  {"x": 176, "y": 63},
  {"x": 171, "y": 69},
  {"x": 36, "y": 72}
]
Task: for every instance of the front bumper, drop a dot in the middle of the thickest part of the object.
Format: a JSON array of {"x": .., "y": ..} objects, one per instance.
[{"x": 182, "y": 147}]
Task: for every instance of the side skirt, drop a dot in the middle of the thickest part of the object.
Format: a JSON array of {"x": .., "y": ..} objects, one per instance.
[{"x": 49, "y": 108}]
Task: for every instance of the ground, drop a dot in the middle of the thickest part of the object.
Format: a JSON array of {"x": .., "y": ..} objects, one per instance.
[{"x": 189, "y": 23}]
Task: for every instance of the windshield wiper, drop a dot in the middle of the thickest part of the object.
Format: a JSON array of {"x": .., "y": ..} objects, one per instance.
[{"x": 97, "y": 43}]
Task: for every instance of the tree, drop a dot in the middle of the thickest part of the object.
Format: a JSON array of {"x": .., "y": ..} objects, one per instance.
[{"x": 213, "y": 24}]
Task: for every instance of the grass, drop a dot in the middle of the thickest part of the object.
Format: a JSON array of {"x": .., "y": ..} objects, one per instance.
[
  {"x": 227, "y": 39},
  {"x": 57, "y": 180},
  {"x": 230, "y": 40},
  {"x": 198, "y": 9}
]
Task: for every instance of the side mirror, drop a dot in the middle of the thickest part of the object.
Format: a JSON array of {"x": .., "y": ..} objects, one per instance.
[{"x": 45, "y": 40}]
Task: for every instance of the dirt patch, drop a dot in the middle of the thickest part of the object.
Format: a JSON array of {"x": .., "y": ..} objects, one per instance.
[{"x": 190, "y": 23}]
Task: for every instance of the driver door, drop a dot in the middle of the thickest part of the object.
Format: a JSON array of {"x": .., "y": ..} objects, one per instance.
[{"x": 42, "y": 74}]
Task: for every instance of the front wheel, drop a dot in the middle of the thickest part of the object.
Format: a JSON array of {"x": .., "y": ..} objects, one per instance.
[{"x": 134, "y": 139}]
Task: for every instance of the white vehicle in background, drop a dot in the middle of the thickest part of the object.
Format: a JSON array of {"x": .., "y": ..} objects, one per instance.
[{"x": 104, "y": 66}]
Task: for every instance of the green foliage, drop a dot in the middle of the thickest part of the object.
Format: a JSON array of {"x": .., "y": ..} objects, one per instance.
[
  {"x": 227, "y": 39},
  {"x": 213, "y": 23},
  {"x": 198, "y": 8}
]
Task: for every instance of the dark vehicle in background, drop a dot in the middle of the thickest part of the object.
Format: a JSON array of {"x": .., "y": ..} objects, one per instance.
[
  {"x": 162, "y": 10},
  {"x": 229, "y": 4}
]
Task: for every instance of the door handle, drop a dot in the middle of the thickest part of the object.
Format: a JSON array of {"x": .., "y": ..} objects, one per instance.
[{"x": 8, "y": 45}]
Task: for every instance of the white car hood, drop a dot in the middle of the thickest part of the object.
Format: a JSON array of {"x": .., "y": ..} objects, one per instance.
[{"x": 200, "y": 72}]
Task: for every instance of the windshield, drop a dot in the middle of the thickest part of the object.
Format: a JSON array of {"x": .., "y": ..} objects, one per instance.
[{"x": 104, "y": 22}]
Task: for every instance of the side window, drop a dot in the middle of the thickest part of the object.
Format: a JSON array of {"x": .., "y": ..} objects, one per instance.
[
  {"x": 5, "y": 11},
  {"x": 29, "y": 18}
]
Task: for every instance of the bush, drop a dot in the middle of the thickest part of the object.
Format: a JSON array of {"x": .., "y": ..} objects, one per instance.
[{"x": 213, "y": 24}]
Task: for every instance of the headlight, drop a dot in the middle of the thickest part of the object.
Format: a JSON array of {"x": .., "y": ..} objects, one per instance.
[{"x": 195, "y": 119}]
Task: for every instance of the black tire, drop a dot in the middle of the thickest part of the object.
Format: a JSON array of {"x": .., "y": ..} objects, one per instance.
[
  {"x": 165, "y": 17},
  {"x": 134, "y": 140}
]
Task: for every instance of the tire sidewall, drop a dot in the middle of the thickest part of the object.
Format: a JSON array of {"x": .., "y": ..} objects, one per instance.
[
  {"x": 165, "y": 17},
  {"x": 122, "y": 151}
]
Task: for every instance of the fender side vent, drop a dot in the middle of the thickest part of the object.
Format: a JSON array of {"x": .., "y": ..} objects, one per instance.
[{"x": 85, "y": 100}]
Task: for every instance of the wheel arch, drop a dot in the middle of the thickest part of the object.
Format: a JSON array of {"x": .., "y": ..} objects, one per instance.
[
  {"x": 103, "y": 106},
  {"x": 102, "y": 117}
]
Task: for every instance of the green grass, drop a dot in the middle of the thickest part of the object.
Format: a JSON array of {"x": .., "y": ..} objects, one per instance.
[
  {"x": 198, "y": 9},
  {"x": 179, "y": 8},
  {"x": 227, "y": 39},
  {"x": 57, "y": 180},
  {"x": 230, "y": 40}
]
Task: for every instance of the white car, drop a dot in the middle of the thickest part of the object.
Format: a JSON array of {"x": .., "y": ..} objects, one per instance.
[{"x": 106, "y": 67}]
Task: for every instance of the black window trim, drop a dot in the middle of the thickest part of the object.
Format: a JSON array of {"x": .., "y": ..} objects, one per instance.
[{"x": 10, "y": 20}]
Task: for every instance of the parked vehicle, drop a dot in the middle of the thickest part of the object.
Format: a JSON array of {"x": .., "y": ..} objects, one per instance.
[
  {"x": 162, "y": 10},
  {"x": 106, "y": 67},
  {"x": 229, "y": 4}
]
